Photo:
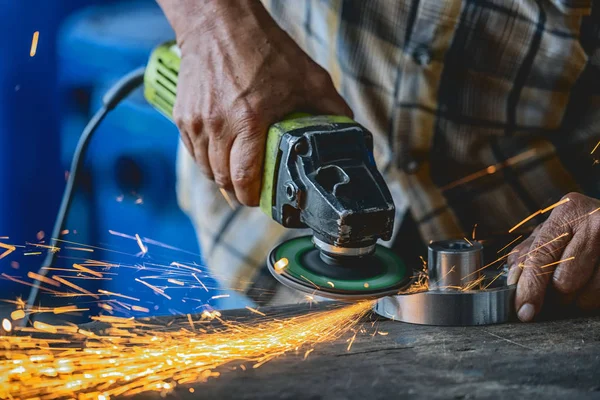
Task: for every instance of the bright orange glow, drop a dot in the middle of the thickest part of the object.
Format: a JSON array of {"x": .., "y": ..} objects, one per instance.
[
  {"x": 34, "y": 43},
  {"x": 133, "y": 357},
  {"x": 280, "y": 265}
]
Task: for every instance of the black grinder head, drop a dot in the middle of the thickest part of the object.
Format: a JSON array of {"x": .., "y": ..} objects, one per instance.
[{"x": 327, "y": 181}]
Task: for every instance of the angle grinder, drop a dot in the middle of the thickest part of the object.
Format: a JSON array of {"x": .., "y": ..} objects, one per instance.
[{"x": 319, "y": 172}]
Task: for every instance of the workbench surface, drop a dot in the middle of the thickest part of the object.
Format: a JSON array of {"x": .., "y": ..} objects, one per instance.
[{"x": 552, "y": 359}]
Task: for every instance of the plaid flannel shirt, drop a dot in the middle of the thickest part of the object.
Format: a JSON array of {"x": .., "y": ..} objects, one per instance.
[{"x": 483, "y": 112}]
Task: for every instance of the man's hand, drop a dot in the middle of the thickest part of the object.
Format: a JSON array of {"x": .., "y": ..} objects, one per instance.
[
  {"x": 564, "y": 251},
  {"x": 239, "y": 74}
]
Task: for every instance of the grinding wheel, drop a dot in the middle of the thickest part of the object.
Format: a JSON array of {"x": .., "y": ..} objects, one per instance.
[{"x": 298, "y": 264}]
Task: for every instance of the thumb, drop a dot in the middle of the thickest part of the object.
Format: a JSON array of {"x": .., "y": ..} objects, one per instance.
[{"x": 538, "y": 268}]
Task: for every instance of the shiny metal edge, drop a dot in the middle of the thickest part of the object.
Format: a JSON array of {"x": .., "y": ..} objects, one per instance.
[{"x": 450, "y": 308}]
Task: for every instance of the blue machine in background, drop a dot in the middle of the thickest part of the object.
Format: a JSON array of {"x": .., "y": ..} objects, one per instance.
[{"x": 128, "y": 186}]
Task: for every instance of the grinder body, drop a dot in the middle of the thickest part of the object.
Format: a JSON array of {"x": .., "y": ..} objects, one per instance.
[{"x": 318, "y": 172}]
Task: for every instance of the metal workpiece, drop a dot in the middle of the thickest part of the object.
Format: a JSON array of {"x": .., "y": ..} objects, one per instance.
[
  {"x": 453, "y": 308},
  {"x": 452, "y": 263}
]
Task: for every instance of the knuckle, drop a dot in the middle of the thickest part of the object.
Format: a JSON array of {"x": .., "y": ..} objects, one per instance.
[
  {"x": 243, "y": 179},
  {"x": 563, "y": 281},
  {"x": 247, "y": 124},
  {"x": 222, "y": 180}
]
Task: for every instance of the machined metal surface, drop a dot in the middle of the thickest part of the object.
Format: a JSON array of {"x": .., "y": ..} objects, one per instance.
[
  {"x": 453, "y": 263},
  {"x": 452, "y": 266},
  {"x": 450, "y": 308},
  {"x": 343, "y": 251}
]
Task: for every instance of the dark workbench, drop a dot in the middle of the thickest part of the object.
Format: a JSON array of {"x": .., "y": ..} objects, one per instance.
[{"x": 553, "y": 359}]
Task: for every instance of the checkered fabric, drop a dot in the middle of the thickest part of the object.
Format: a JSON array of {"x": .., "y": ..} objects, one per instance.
[{"x": 483, "y": 112}]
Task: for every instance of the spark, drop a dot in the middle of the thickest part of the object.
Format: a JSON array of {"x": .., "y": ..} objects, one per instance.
[
  {"x": 34, "y": 43},
  {"x": 227, "y": 198},
  {"x": 200, "y": 282},
  {"x": 307, "y": 353},
  {"x": 191, "y": 321},
  {"x": 175, "y": 281},
  {"x": 467, "y": 240},
  {"x": 474, "y": 230},
  {"x": 17, "y": 315},
  {"x": 492, "y": 169},
  {"x": 330, "y": 283},
  {"x": 219, "y": 296},
  {"x": 255, "y": 311},
  {"x": 42, "y": 326},
  {"x": 79, "y": 249},
  {"x": 366, "y": 285},
  {"x": 535, "y": 214},
  {"x": 140, "y": 309},
  {"x": 44, "y": 279},
  {"x": 40, "y": 235},
  {"x": 595, "y": 148},
  {"x": 544, "y": 244},
  {"x": 74, "y": 286},
  {"x": 382, "y": 333},
  {"x": 106, "y": 292},
  {"x": 143, "y": 248},
  {"x": 157, "y": 290},
  {"x": 539, "y": 212},
  {"x": 351, "y": 342},
  {"x": 6, "y": 325},
  {"x": 563, "y": 201},
  {"x": 33, "y": 253},
  {"x": 280, "y": 265},
  {"x": 557, "y": 262},
  {"x": 499, "y": 251},
  {"x": 89, "y": 271},
  {"x": 133, "y": 357},
  {"x": 493, "y": 280},
  {"x": 67, "y": 309},
  {"x": 473, "y": 283}
]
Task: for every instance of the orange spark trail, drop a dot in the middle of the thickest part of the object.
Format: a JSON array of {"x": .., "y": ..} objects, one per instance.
[
  {"x": 595, "y": 148},
  {"x": 41, "y": 278},
  {"x": 557, "y": 262},
  {"x": 139, "y": 242},
  {"x": 133, "y": 357},
  {"x": 255, "y": 311},
  {"x": 34, "y": 43},
  {"x": 89, "y": 271},
  {"x": 157, "y": 290},
  {"x": 74, "y": 286},
  {"x": 545, "y": 244},
  {"x": 539, "y": 212},
  {"x": 499, "y": 251}
]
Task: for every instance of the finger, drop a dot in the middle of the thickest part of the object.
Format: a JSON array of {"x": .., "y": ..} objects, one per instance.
[
  {"x": 201, "y": 145},
  {"x": 538, "y": 267},
  {"x": 589, "y": 299},
  {"x": 246, "y": 160},
  {"x": 578, "y": 261},
  {"x": 219, "y": 150},
  {"x": 516, "y": 266},
  {"x": 185, "y": 138}
]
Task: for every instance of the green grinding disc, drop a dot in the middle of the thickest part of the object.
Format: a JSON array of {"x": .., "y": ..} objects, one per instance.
[{"x": 380, "y": 274}]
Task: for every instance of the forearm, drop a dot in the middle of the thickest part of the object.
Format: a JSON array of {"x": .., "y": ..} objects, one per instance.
[{"x": 192, "y": 17}]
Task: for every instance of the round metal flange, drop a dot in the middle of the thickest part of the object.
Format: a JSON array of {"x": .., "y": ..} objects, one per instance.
[
  {"x": 450, "y": 308},
  {"x": 298, "y": 264}
]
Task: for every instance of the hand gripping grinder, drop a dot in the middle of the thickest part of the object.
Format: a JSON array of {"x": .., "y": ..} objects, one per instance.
[{"x": 319, "y": 172}]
